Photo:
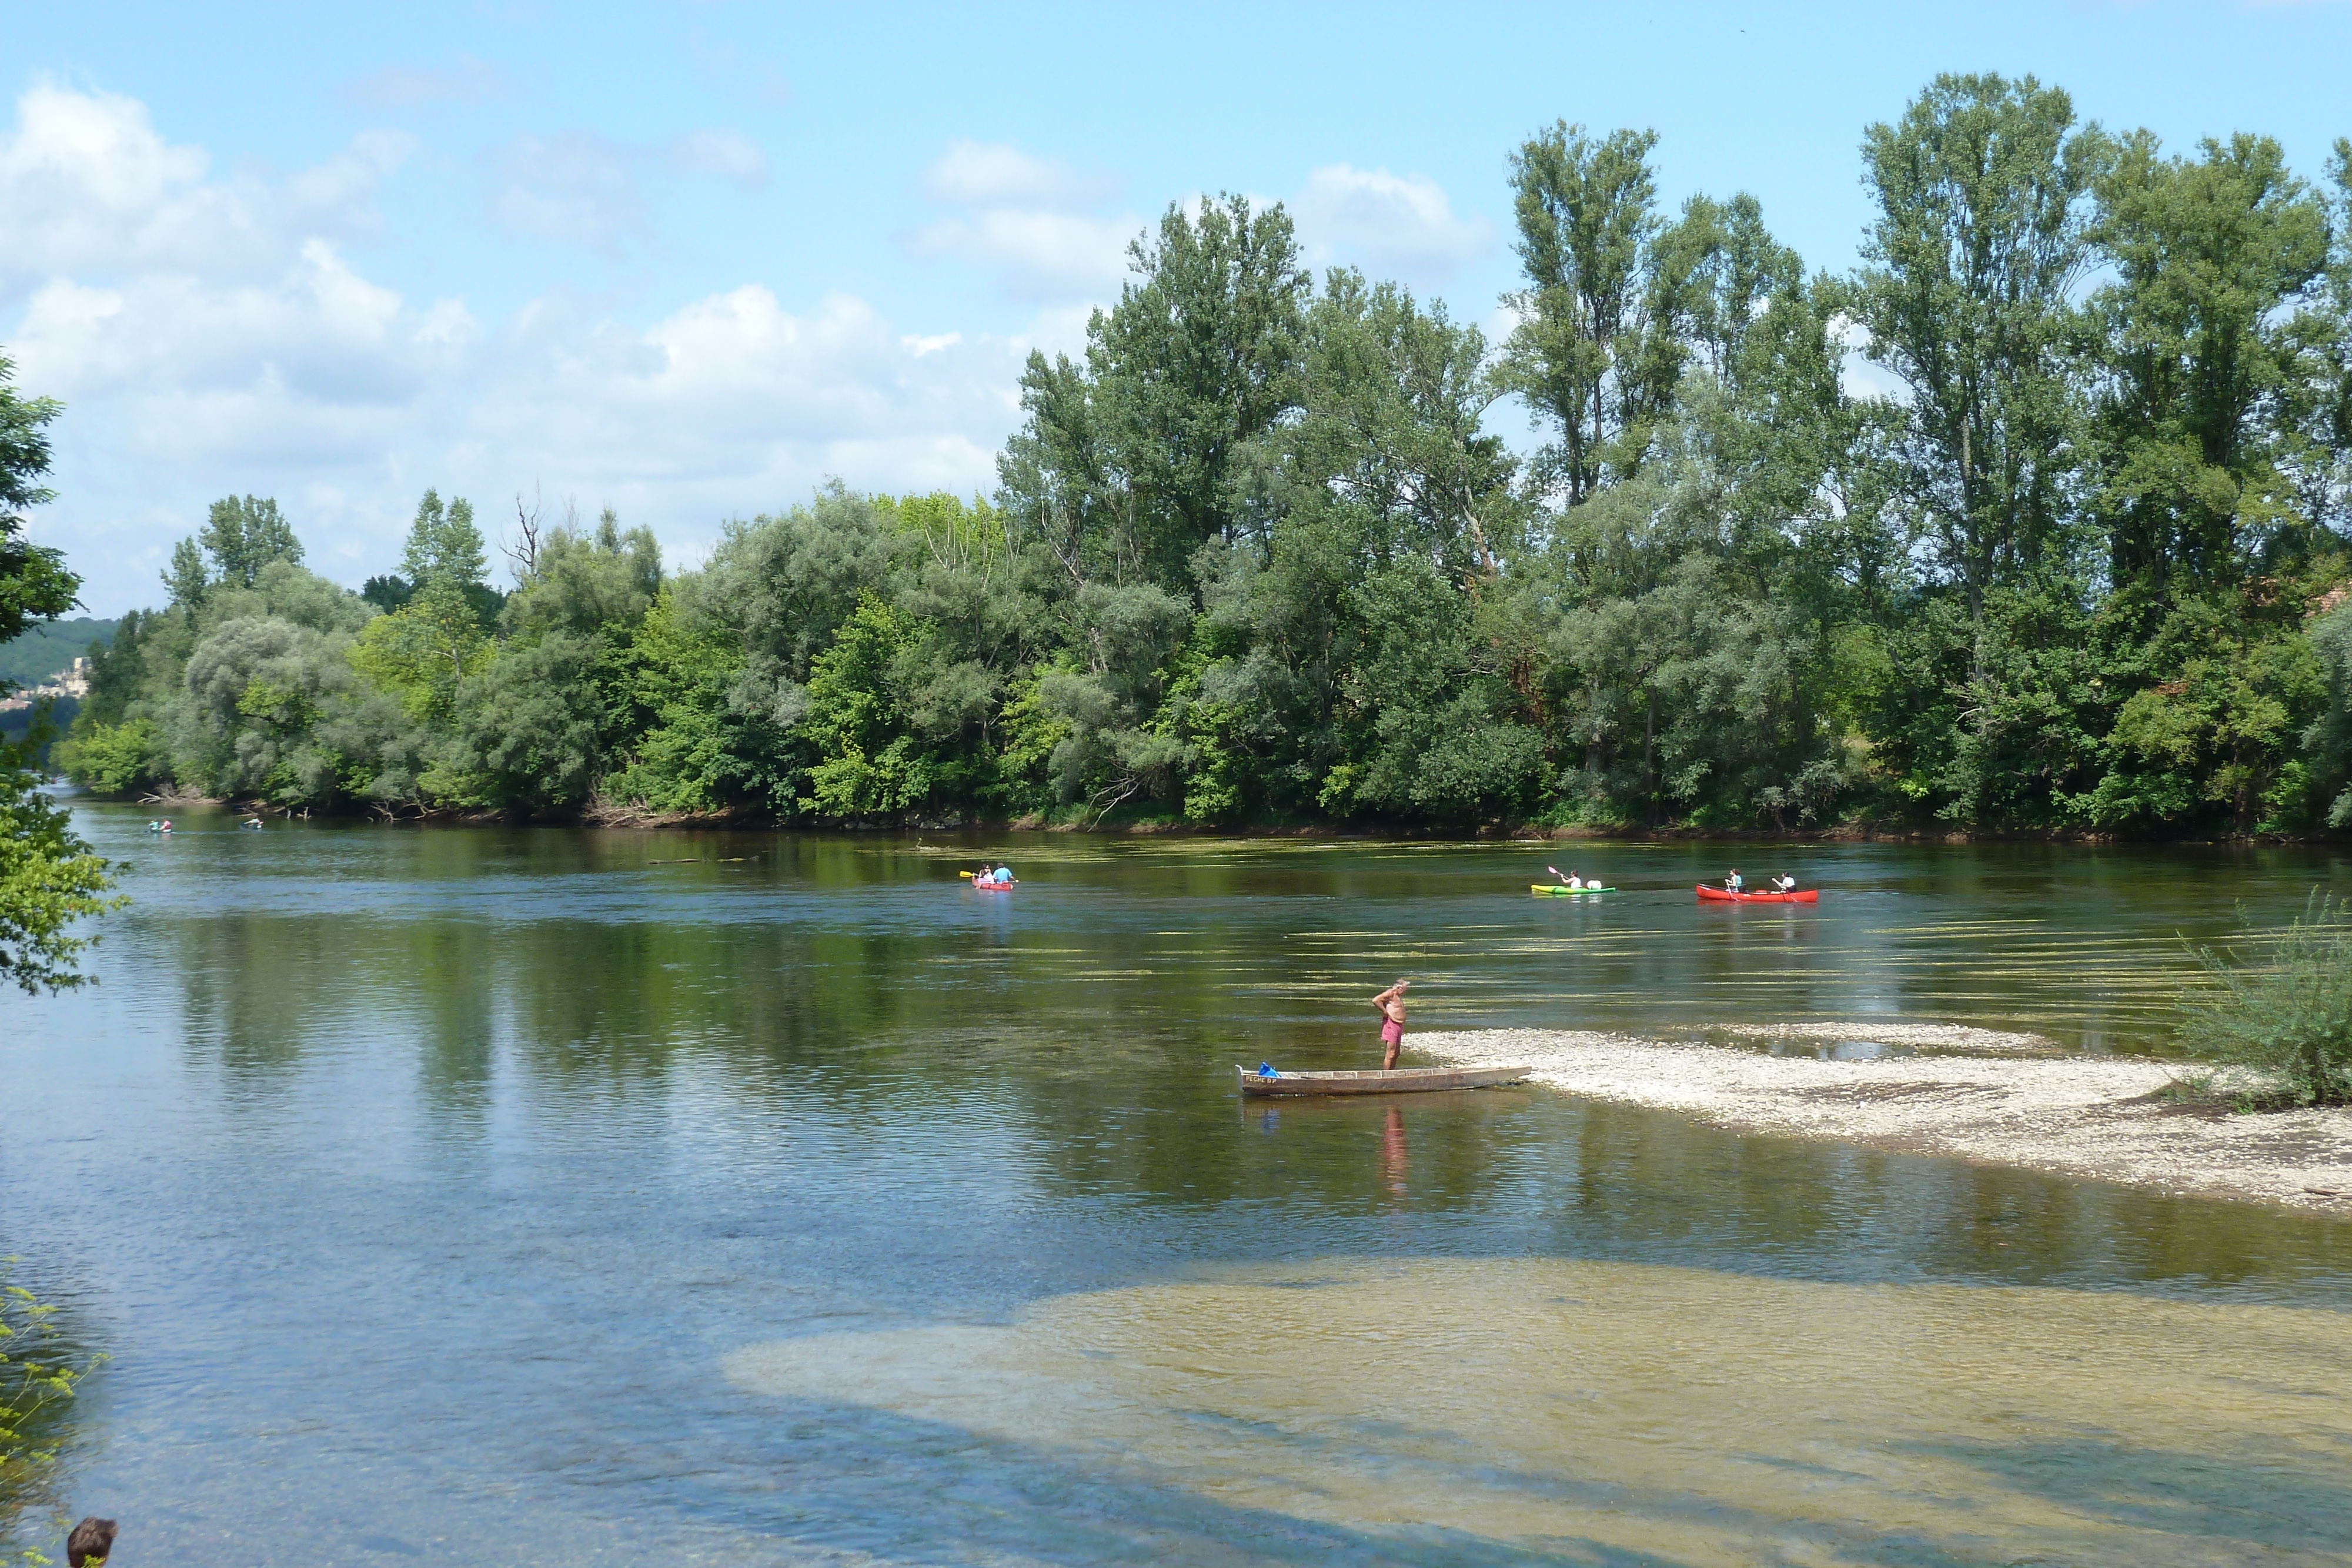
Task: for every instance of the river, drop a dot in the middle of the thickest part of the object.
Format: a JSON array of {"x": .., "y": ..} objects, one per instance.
[{"x": 506, "y": 1196}]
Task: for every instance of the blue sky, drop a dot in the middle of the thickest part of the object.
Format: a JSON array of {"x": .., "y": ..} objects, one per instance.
[{"x": 688, "y": 260}]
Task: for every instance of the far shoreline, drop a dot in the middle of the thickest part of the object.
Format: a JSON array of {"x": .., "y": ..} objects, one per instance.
[
  {"x": 626, "y": 818},
  {"x": 2010, "y": 1100}
]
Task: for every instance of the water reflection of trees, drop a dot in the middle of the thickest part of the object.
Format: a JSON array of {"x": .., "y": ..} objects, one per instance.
[{"x": 1090, "y": 1052}]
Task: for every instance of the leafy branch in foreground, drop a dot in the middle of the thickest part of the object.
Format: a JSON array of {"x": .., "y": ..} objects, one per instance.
[
  {"x": 2289, "y": 1016},
  {"x": 48, "y": 879},
  {"x": 37, "y": 1377}
]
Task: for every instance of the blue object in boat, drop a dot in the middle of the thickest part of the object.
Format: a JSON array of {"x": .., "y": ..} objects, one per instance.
[{"x": 1265, "y": 1070}]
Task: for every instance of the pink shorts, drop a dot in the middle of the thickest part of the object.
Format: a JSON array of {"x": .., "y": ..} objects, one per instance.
[{"x": 1392, "y": 1032}]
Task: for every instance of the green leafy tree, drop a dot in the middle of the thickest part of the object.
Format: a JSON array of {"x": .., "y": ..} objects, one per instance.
[
  {"x": 34, "y": 582},
  {"x": 1124, "y": 468},
  {"x": 2318, "y": 403},
  {"x": 708, "y": 740},
  {"x": 871, "y": 763},
  {"x": 2197, "y": 347},
  {"x": 423, "y": 652},
  {"x": 529, "y": 726},
  {"x": 120, "y": 757},
  {"x": 50, "y": 882},
  {"x": 443, "y": 546},
  {"x": 187, "y": 579},
  {"x": 1588, "y": 226},
  {"x": 1983, "y": 190},
  {"x": 2327, "y": 742},
  {"x": 243, "y": 535}
]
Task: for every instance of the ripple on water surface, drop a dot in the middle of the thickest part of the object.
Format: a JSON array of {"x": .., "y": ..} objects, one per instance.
[{"x": 422, "y": 1184}]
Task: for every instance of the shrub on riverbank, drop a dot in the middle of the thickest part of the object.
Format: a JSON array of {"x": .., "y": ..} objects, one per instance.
[
  {"x": 38, "y": 1373},
  {"x": 2286, "y": 1014}
]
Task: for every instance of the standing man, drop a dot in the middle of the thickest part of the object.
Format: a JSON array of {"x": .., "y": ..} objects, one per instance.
[{"x": 1392, "y": 1005}]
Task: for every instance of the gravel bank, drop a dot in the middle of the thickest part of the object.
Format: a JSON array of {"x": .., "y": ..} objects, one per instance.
[{"x": 2095, "y": 1117}]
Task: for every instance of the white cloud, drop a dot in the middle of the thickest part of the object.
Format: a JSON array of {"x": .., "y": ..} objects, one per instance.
[
  {"x": 1025, "y": 219},
  {"x": 279, "y": 366},
  {"x": 86, "y": 181},
  {"x": 467, "y": 81},
  {"x": 992, "y": 174},
  {"x": 731, "y": 67},
  {"x": 1040, "y": 256},
  {"x": 574, "y": 186},
  {"x": 1400, "y": 226},
  {"x": 582, "y": 188},
  {"x": 727, "y": 153}
]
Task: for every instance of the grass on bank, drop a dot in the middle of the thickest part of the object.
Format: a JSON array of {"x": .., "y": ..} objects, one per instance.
[{"x": 2284, "y": 1015}]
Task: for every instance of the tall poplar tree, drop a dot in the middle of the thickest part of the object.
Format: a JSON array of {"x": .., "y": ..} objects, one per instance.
[
  {"x": 1586, "y": 210},
  {"x": 1983, "y": 190}
]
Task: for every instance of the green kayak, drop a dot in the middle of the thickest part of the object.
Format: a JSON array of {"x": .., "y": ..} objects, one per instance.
[{"x": 1553, "y": 890}]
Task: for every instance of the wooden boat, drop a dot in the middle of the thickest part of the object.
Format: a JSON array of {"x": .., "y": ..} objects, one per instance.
[
  {"x": 1395, "y": 1080},
  {"x": 1718, "y": 896},
  {"x": 1554, "y": 890}
]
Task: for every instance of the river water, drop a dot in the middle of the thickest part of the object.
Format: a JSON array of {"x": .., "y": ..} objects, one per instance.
[{"x": 504, "y": 1195}]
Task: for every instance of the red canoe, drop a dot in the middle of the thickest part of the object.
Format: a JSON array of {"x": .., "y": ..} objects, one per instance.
[{"x": 1809, "y": 895}]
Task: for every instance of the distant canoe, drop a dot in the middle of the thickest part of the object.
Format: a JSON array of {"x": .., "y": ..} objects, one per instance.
[
  {"x": 1718, "y": 896},
  {"x": 1396, "y": 1080},
  {"x": 1554, "y": 890}
]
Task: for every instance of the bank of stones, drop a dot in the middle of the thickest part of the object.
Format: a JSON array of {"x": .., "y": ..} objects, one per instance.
[{"x": 2105, "y": 1118}]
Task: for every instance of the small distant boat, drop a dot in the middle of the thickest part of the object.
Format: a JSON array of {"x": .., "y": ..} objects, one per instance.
[
  {"x": 1554, "y": 890},
  {"x": 1395, "y": 1081},
  {"x": 1718, "y": 895},
  {"x": 980, "y": 886}
]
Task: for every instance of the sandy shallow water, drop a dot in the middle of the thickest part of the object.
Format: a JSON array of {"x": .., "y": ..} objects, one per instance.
[
  {"x": 1505, "y": 1411},
  {"x": 2098, "y": 1117}
]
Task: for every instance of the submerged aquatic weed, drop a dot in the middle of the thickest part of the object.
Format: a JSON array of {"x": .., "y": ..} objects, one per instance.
[{"x": 2287, "y": 1014}]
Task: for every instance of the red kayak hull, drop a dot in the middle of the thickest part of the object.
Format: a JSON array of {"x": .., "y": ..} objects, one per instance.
[{"x": 1716, "y": 895}]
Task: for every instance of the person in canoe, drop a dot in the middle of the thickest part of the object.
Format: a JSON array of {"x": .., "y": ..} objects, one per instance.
[
  {"x": 1784, "y": 885},
  {"x": 1732, "y": 884},
  {"x": 1391, "y": 1003},
  {"x": 1570, "y": 881}
]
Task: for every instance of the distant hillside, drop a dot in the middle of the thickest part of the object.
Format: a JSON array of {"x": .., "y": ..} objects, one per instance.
[
  {"x": 15, "y": 722},
  {"x": 46, "y": 649}
]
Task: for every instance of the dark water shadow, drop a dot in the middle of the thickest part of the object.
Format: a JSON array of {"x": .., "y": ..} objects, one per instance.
[{"x": 2251, "y": 1502}]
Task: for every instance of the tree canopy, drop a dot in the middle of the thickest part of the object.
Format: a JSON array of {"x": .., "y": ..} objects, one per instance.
[
  {"x": 1259, "y": 555},
  {"x": 49, "y": 879}
]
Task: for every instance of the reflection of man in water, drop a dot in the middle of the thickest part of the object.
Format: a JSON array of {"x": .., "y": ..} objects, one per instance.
[
  {"x": 1392, "y": 1005},
  {"x": 1393, "y": 1151}
]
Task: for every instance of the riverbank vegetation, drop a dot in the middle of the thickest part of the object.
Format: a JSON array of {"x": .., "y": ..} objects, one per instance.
[
  {"x": 49, "y": 879},
  {"x": 39, "y": 1371},
  {"x": 2285, "y": 1014},
  {"x": 1260, "y": 557}
]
